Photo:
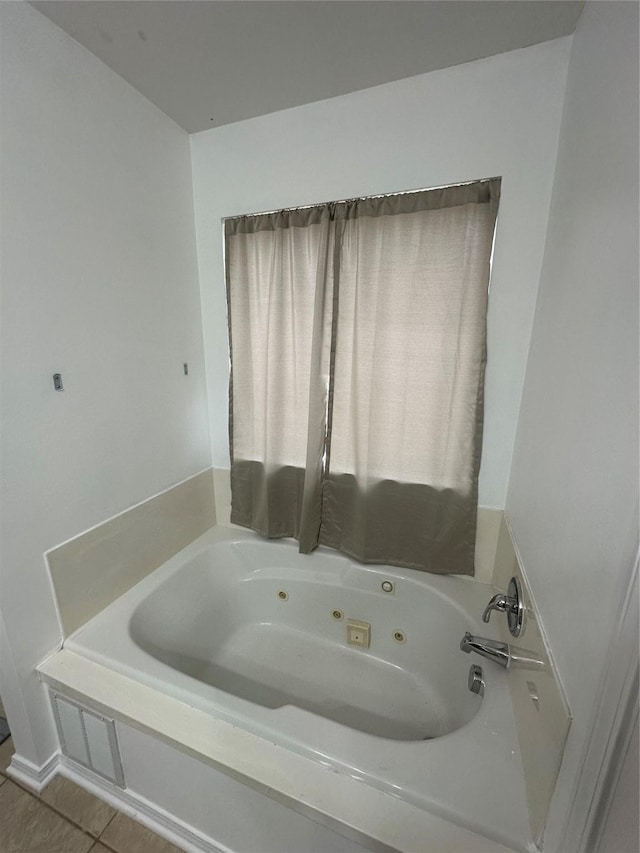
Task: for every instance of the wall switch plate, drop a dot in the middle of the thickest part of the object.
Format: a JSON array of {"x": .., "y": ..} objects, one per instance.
[{"x": 358, "y": 633}]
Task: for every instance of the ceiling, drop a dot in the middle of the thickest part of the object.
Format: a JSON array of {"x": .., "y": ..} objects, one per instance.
[{"x": 207, "y": 63}]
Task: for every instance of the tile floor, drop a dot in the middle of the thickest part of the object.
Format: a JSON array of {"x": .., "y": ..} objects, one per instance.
[{"x": 65, "y": 818}]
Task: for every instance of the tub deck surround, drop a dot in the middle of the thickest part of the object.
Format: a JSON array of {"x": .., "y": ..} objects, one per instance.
[
  {"x": 541, "y": 710},
  {"x": 339, "y": 801},
  {"x": 91, "y": 570},
  {"x": 356, "y": 761}
]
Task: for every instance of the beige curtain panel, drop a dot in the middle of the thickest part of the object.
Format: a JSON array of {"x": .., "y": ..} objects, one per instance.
[{"x": 358, "y": 347}]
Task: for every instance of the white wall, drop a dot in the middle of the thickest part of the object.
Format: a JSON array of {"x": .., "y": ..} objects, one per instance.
[
  {"x": 498, "y": 116},
  {"x": 99, "y": 283},
  {"x": 573, "y": 494}
]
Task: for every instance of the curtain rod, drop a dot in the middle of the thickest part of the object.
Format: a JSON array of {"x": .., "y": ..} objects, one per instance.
[{"x": 361, "y": 198}]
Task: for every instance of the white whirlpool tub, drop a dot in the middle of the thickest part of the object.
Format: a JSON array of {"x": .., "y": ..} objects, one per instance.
[{"x": 255, "y": 635}]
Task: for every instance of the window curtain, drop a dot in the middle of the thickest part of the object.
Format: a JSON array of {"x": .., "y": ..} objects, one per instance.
[
  {"x": 279, "y": 270},
  {"x": 358, "y": 341}
]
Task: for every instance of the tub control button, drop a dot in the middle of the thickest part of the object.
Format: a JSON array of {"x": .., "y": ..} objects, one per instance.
[
  {"x": 358, "y": 633},
  {"x": 387, "y": 586}
]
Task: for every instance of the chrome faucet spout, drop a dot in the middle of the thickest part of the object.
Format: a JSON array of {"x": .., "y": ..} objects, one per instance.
[{"x": 490, "y": 649}]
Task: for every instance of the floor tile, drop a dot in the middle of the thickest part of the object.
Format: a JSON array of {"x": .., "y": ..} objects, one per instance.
[
  {"x": 99, "y": 848},
  {"x": 127, "y": 836},
  {"x": 6, "y": 751},
  {"x": 3, "y": 779},
  {"x": 28, "y": 826},
  {"x": 78, "y": 805}
]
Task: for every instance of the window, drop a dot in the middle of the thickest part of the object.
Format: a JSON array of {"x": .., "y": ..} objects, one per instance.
[{"x": 358, "y": 345}]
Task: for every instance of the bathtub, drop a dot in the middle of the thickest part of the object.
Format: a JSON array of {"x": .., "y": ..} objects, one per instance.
[{"x": 255, "y": 635}]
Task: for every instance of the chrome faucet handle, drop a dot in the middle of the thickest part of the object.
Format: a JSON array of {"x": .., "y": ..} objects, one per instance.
[
  {"x": 511, "y": 604},
  {"x": 498, "y": 602}
]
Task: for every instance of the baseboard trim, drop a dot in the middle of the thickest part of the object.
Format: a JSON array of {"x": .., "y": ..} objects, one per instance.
[
  {"x": 152, "y": 816},
  {"x": 29, "y": 774}
]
